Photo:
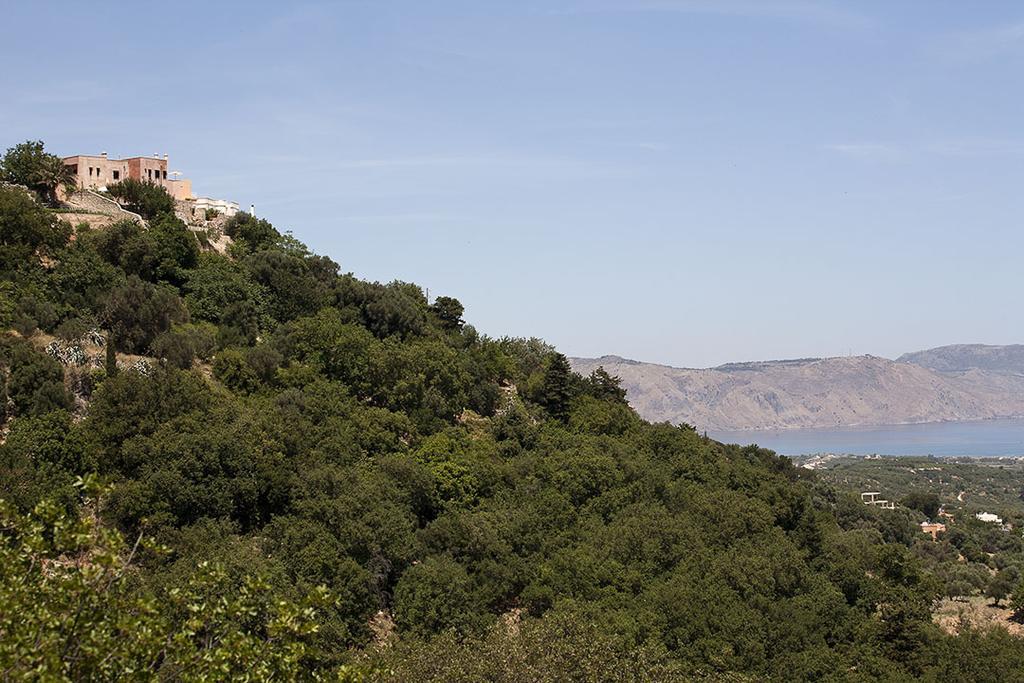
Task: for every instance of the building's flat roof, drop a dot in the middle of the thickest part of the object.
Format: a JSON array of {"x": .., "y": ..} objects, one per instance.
[{"x": 100, "y": 156}]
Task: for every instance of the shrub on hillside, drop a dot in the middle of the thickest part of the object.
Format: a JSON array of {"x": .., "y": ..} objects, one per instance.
[
  {"x": 256, "y": 233},
  {"x": 27, "y": 229},
  {"x": 145, "y": 198},
  {"x": 137, "y": 312}
]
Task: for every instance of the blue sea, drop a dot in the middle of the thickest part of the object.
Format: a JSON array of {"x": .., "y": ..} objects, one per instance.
[{"x": 990, "y": 438}]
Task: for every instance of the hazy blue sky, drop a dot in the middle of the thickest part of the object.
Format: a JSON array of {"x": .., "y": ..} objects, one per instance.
[{"x": 686, "y": 182}]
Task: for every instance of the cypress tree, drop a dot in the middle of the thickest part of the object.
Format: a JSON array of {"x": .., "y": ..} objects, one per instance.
[{"x": 556, "y": 390}]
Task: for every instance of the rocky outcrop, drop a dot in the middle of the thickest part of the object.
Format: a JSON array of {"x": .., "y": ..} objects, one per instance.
[{"x": 209, "y": 231}]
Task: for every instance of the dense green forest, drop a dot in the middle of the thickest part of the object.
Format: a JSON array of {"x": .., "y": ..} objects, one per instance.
[{"x": 252, "y": 463}]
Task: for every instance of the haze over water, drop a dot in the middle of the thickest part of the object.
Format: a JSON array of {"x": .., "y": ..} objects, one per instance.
[{"x": 991, "y": 438}]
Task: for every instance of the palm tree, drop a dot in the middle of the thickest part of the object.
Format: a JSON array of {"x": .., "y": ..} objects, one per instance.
[{"x": 51, "y": 173}]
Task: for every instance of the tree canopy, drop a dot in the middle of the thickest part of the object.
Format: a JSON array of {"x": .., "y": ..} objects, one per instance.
[{"x": 30, "y": 165}]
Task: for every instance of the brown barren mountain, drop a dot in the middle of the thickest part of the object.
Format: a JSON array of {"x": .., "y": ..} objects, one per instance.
[
  {"x": 1007, "y": 360},
  {"x": 816, "y": 392}
]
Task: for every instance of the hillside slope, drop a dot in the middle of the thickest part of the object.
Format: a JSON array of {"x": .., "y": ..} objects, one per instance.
[
  {"x": 859, "y": 390},
  {"x": 1007, "y": 359},
  {"x": 332, "y": 479}
]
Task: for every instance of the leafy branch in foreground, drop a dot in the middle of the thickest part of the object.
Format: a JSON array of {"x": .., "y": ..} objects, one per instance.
[{"x": 74, "y": 611}]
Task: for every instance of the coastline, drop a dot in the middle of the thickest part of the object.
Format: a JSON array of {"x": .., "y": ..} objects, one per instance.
[{"x": 1002, "y": 437}]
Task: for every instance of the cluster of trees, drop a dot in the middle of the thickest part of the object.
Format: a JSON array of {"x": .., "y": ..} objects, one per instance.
[
  {"x": 145, "y": 198},
  {"x": 971, "y": 558},
  {"x": 29, "y": 165},
  {"x": 323, "y": 476},
  {"x": 975, "y": 558}
]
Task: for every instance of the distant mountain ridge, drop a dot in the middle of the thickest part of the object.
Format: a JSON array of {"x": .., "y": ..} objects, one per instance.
[
  {"x": 963, "y": 357},
  {"x": 953, "y": 383}
]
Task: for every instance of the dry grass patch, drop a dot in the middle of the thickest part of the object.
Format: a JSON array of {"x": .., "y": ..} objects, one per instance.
[{"x": 953, "y": 616}]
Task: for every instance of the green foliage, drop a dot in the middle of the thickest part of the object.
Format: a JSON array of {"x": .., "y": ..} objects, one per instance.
[
  {"x": 569, "y": 644},
  {"x": 128, "y": 406},
  {"x": 1001, "y": 584},
  {"x": 184, "y": 342},
  {"x": 128, "y": 246},
  {"x": 594, "y": 416},
  {"x": 1017, "y": 599},
  {"x": 231, "y": 368},
  {"x": 327, "y": 342},
  {"x": 434, "y": 596},
  {"x": 46, "y": 440},
  {"x": 555, "y": 389},
  {"x": 605, "y": 387},
  {"x": 529, "y": 355},
  {"x": 162, "y": 253},
  {"x": 449, "y": 311},
  {"x": 26, "y": 229},
  {"x": 50, "y": 175},
  {"x": 82, "y": 279},
  {"x": 176, "y": 249},
  {"x": 30, "y": 165},
  {"x": 926, "y": 503},
  {"x": 73, "y": 329},
  {"x": 965, "y": 579},
  {"x": 143, "y": 197},
  {"x": 137, "y": 312},
  {"x": 219, "y": 291},
  {"x": 254, "y": 234},
  {"x": 20, "y": 162},
  {"x": 293, "y": 288},
  {"x": 71, "y": 612},
  {"x": 32, "y": 312},
  {"x": 32, "y": 382},
  {"x": 397, "y": 309},
  {"x": 38, "y": 461},
  {"x": 421, "y": 378}
]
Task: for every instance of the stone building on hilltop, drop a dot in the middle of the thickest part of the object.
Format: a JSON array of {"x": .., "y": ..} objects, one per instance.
[{"x": 96, "y": 172}]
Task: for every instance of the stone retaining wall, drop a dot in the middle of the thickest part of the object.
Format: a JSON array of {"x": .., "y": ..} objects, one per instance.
[{"x": 90, "y": 201}]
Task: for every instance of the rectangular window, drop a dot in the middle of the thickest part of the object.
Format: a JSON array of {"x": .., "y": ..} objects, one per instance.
[
  {"x": 90, "y": 170},
  {"x": 117, "y": 175},
  {"x": 165, "y": 175}
]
